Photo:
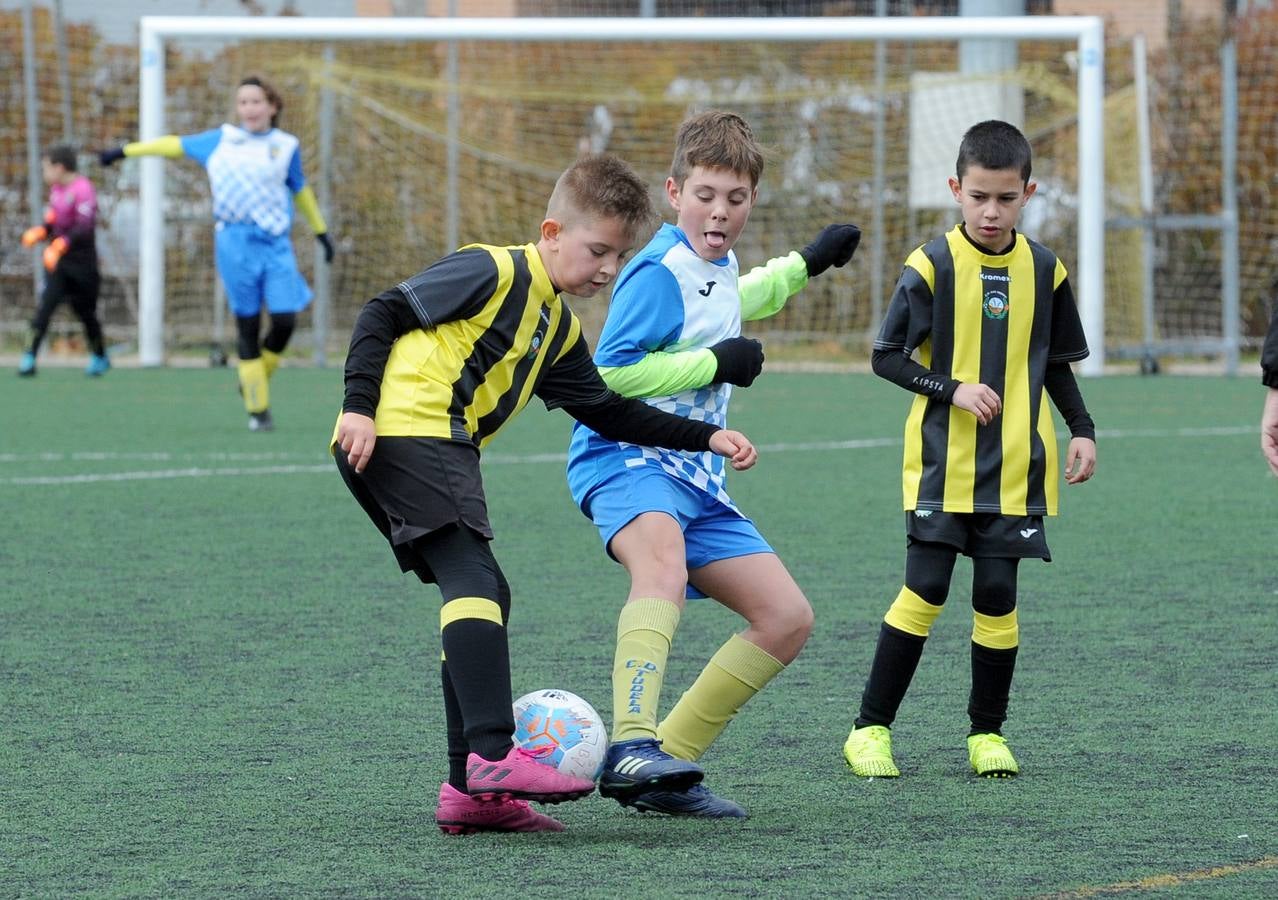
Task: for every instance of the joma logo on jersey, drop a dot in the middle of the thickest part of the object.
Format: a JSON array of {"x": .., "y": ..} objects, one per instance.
[
  {"x": 709, "y": 287},
  {"x": 995, "y": 304}
]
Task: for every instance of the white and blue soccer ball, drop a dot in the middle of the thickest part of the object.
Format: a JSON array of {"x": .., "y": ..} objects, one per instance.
[{"x": 564, "y": 731}]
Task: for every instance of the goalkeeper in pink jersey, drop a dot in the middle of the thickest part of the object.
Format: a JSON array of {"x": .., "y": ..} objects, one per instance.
[{"x": 70, "y": 257}]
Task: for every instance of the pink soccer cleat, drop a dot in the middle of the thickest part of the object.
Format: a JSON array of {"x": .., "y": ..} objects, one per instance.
[
  {"x": 520, "y": 776},
  {"x": 460, "y": 813}
]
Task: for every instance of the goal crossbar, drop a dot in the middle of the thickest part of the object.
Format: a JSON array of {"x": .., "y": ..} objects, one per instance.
[{"x": 1086, "y": 31}]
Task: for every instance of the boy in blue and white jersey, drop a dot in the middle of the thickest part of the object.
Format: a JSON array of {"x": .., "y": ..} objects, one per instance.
[
  {"x": 673, "y": 337},
  {"x": 255, "y": 173}
]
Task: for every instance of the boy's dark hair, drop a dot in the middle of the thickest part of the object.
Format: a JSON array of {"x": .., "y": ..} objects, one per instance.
[
  {"x": 716, "y": 139},
  {"x": 600, "y": 185},
  {"x": 993, "y": 144},
  {"x": 272, "y": 96},
  {"x": 61, "y": 155}
]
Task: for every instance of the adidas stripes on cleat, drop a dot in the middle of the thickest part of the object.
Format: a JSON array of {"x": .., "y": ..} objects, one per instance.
[
  {"x": 521, "y": 776},
  {"x": 695, "y": 802},
  {"x": 868, "y": 751},
  {"x": 460, "y": 813},
  {"x": 641, "y": 765},
  {"x": 990, "y": 757}
]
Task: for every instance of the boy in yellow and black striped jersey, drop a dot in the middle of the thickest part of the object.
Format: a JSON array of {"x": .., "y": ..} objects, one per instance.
[
  {"x": 992, "y": 318},
  {"x": 437, "y": 366}
]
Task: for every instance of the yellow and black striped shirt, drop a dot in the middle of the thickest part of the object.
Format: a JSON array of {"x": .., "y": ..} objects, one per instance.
[
  {"x": 995, "y": 319},
  {"x": 454, "y": 352},
  {"x": 489, "y": 330}
]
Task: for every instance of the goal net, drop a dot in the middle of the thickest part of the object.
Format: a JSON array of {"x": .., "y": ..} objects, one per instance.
[{"x": 423, "y": 134}]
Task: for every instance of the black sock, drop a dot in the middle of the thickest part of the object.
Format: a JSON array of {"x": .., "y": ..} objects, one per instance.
[
  {"x": 895, "y": 659},
  {"x": 991, "y": 684},
  {"x": 479, "y": 666},
  {"x": 458, "y": 749}
]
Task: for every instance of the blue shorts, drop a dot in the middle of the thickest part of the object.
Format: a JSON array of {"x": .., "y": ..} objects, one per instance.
[
  {"x": 256, "y": 267},
  {"x": 711, "y": 530}
]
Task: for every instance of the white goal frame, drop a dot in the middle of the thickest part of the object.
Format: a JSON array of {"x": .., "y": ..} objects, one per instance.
[{"x": 1087, "y": 31}]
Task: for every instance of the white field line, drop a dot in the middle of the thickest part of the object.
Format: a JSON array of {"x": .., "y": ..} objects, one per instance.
[{"x": 305, "y": 466}]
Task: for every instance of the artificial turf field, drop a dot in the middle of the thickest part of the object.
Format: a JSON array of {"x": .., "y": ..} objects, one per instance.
[{"x": 214, "y": 682}]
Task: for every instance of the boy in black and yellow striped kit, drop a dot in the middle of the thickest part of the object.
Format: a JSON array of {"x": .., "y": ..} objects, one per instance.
[
  {"x": 992, "y": 318},
  {"x": 437, "y": 366}
]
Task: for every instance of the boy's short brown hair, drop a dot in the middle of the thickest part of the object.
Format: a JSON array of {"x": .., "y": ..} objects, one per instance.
[
  {"x": 716, "y": 139},
  {"x": 600, "y": 185},
  {"x": 994, "y": 144},
  {"x": 61, "y": 155}
]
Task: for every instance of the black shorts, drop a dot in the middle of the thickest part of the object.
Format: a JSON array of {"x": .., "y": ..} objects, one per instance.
[
  {"x": 414, "y": 486},
  {"x": 75, "y": 280},
  {"x": 980, "y": 534}
]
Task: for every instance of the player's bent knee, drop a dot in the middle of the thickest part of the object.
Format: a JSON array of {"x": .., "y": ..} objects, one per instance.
[
  {"x": 786, "y": 625},
  {"x": 658, "y": 581}
]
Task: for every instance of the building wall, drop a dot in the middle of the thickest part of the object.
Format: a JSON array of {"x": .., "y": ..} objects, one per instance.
[{"x": 1125, "y": 17}]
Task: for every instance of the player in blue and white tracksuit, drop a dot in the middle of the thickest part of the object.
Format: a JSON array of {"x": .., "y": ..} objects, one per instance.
[{"x": 255, "y": 173}]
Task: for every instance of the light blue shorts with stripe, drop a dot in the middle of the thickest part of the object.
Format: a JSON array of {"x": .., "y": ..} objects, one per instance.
[
  {"x": 256, "y": 268},
  {"x": 711, "y": 530}
]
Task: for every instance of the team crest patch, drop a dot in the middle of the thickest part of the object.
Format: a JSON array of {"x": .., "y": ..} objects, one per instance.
[
  {"x": 995, "y": 305},
  {"x": 535, "y": 344}
]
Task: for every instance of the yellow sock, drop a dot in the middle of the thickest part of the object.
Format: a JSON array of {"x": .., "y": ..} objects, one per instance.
[
  {"x": 253, "y": 385},
  {"x": 644, "y": 632},
  {"x": 271, "y": 361},
  {"x": 736, "y": 672}
]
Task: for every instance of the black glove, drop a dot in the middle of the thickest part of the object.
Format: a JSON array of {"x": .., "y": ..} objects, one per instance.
[
  {"x": 107, "y": 157},
  {"x": 740, "y": 360},
  {"x": 834, "y": 246},
  {"x": 327, "y": 243}
]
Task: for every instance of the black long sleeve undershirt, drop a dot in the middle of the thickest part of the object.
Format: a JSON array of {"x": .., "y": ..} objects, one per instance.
[
  {"x": 903, "y": 370},
  {"x": 1059, "y": 381},
  {"x": 1062, "y": 387},
  {"x": 629, "y": 419},
  {"x": 1269, "y": 355}
]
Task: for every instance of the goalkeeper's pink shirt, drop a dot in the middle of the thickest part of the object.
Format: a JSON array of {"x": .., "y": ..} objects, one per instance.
[{"x": 75, "y": 210}]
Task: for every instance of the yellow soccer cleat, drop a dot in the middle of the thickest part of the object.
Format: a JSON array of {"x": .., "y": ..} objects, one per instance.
[
  {"x": 868, "y": 751},
  {"x": 990, "y": 757}
]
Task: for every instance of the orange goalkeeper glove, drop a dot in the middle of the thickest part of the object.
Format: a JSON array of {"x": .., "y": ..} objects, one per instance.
[
  {"x": 54, "y": 252},
  {"x": 34, "y": 235}
]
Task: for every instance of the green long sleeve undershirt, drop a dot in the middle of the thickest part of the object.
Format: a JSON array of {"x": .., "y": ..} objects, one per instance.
[{"x": 764, "y": 291}]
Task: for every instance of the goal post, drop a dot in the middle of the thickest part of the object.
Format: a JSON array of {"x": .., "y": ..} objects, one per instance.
[{"x": 1086, "y": 32}]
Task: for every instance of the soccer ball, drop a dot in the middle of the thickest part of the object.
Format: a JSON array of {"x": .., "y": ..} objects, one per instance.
[{"x": 564, "y": 730}]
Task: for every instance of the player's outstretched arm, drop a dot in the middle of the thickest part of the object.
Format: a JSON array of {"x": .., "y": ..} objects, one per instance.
[
  {"x": 765, "y": 289},
  {"x": 169, "y": 146},
  {"x": 1269, "y": 429},
  {"x": 735, "y": 447},
  {"x": 978, "y": 399},
  {"x": 1080, "y": 460},
  {"x": 356, "y": 434}
]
